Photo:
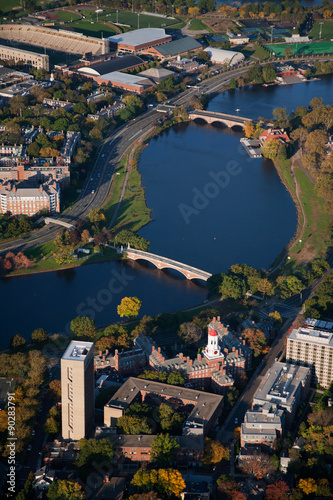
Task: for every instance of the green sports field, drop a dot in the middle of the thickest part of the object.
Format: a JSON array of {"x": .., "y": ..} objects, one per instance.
[
  {"x": 326, "y": 30},
  {"x": 302, "y": 48},
  {"x": 134, "y": 20}
]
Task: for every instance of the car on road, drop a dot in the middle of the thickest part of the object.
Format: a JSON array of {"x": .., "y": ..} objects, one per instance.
[
  {"x": 33, "y": 433},
  {"x": 29, "y": 447},
  {"x": 236, "y": 420},
  {"x": 93, "y": 191}
]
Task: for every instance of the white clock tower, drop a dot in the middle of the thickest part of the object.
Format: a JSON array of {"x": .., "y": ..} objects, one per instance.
[{"x": 212, "y": 350}]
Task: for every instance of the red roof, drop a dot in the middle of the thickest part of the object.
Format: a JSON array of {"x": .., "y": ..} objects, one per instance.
[{"x": 212, "y": 333}]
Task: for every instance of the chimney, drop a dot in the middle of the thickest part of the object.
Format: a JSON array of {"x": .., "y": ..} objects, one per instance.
[
  {"x": 191, "y": 362},
  {"x": 233, "y": 349},
  {"x": 244, "y": 342},
  {"x": 116, "y": 352},
  {"x": 214, "y": 319},
  {"x": 14, "y": 189},
  {"x": 226, "y": 350},
  {"x": 159, "y": 349},
  {"x": 236, "y": 352},
  {"x": 219, "y": 318},
  {"x": 181, "y": 355},
  {"x": 41, "y": 188},
  {"x": 153, "y": 348},
  {"x": 162, "y": 359},
  {"x": 199, "y": 357},
  {"x": 188, "y": 359},
  {"x": 106, "y": 352}
]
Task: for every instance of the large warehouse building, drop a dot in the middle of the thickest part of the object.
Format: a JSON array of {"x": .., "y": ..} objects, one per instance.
[
  {"x": 39, "y": 61},
  {"x": 221, "y": 56},
  {"x": 64, "y": 41},
  {"x": 172, "y": 49},
  {"x": 138, "y": 40}
]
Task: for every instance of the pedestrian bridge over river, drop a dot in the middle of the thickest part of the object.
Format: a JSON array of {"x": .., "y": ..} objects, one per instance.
[
  {"x": 163, "y": 263},
  {"x": 212, "y": 117}
]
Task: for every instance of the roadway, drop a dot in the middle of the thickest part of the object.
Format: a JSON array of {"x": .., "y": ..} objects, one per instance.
[{"x": 98, "y": 185}]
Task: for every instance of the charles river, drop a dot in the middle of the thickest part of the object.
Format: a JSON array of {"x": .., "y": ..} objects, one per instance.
[{"x": 212, "y": 206}]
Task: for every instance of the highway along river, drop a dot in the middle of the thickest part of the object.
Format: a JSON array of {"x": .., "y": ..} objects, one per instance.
[{"x": 212, "y": 207}]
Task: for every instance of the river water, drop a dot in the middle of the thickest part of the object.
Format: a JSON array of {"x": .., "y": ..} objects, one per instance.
[{"x": 241, "y": 213}]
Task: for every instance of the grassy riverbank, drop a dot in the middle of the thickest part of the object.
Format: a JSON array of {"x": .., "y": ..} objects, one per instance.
[{"x": 310, "y": 240}]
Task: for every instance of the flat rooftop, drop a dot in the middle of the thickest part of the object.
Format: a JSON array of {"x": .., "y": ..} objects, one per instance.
[
  {"x": 77, "y": 350},
  {"x": 126, "y": 79},
  {"x": 139, "y": 37},
  {"x": 312, "y": 335},
  {"x": 281, "y": 383},
  {"x": 27, "y": 52}
]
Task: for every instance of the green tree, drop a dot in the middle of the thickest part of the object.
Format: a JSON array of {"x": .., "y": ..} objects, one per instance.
[
  {"x": 176, "y": 378},
  {"x": 232, "y": 287},
  {"x": 129, "y": 307},
  {"x": 269, "y": 73},
  {"x": 51, "y": 426},
  {"x": 65, "y": 490},
  {"x": 82, "y": 326},
  {"x": 93, "y": 450},
  {"x": 27, "y": 492},
  {"x": 164, "y": 449},
  {"x": 39, "y": 335},
  {"x": 167, "y": 482},
  {"x": 133, "y": 424},
  {"x": 232, "y": 83}
]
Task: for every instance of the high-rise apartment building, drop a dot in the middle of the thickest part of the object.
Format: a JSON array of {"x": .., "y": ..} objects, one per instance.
[
  {"x": 77, "y": 390},
  {"x": 313, "y": 348}
]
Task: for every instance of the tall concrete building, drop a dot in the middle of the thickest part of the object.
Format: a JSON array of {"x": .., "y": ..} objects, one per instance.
[
  {"x": 77, "y": 390},
  {"x": 313, "y": 347}
]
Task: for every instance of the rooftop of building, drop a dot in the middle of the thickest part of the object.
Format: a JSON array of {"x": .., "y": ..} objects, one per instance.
[
  {"x": 281, "y": 383},
  {"x": 24, "y": 190},
  {"x": 139, "y": 37},
  {"x": 77, "y": 350},
  {"x": 156, "y": 73},
  {"x": 317, "y": 324},
  {"x": 127, "y": 79},
  {"x": 205, "y": 403},
  {"x": 114, "y": 64},
  {"x": 268, "y": 413},
  {"x": 179, "y": 46},
  {"x": 44, "y": 56},
  {"x": 255, "y": 431},
  {"x": 312, "y": 335}
]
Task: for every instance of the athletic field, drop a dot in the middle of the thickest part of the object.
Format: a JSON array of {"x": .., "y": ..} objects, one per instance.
[{"x": 298, "y": 49}]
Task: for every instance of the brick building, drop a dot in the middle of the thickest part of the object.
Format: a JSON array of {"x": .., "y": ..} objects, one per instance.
[
  {"x": 202, "y": 418},
  {"x": 18, "y": 199},
  {"x": 224, "y": 360}
]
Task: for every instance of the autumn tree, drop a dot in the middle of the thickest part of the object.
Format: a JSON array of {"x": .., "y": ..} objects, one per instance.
[
  {"x": 48, "y": 152},
  {"x": 167, "y": 482},
  {"x": 308, "y": 485},
  {"x": 65, "y": 490},
  {"x": 227, "y": 486},
  {"x": 17, "y": 341},
  {"x": 279, "y": 490},
  {"x": 215, "y": 452},
  {"x": 55, "y": 389},
  {"x": 265, "y": 287},
  {"x": 270, "y": 148},
  {"x": 249, "y": 129},
  {"x": 164, "y": 449},
  {"x": 96, "y": 216},
  {"x": 85, "y": 236},
  {"x": 259, "y": 465},
  {"x": 129, "y": 307},
  {"x": 82, "y": 326},
  {"x": 256, "y": 340}
]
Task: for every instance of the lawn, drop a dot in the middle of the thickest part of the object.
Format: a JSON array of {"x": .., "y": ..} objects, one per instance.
[
  {"x": 302, "y": 48},
  {"x": 8, "y": 5},
  {"x": 198, "y": 25},
  {"x": 91, "y": 28},
  {"x": 326, "y": 32},
  {"x": 313, "y": 241},
  {"x": 135, "y": 20}
]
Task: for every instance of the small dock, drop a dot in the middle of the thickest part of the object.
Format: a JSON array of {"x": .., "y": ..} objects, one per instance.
[{"x": 252, "y": 147}]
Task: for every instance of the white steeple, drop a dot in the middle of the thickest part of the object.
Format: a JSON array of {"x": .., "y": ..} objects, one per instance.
[{"x": 212, "y": 350}]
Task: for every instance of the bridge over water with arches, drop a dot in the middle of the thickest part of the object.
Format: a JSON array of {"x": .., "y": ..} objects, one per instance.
[
  {"x": 213, "y": 117},
  {"x": 164, "y": 263}
]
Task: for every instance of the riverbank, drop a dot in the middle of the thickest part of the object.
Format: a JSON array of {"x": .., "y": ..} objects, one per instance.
[{"x": 310, "y": 240}]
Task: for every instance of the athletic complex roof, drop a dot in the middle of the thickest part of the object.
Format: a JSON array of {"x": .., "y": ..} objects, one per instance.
[
  {"x": 114, "y": 64},
  {"x": 178, "y": 46},
  {"x": 139, "y": 37},
  {"x": 221, "y": 56}
]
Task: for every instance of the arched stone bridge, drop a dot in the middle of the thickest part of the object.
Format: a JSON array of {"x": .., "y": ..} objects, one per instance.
[
  {"x": 163, "y": 262},
  {"x": 211, "y": 117}
]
